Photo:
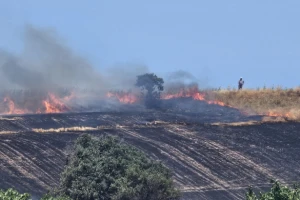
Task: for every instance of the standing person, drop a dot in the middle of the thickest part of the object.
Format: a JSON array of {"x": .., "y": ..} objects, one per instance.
[{"x": 241, "y": 83}]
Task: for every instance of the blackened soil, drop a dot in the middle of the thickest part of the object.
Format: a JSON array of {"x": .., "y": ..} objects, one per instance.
[{"x": 209, "y": 162}]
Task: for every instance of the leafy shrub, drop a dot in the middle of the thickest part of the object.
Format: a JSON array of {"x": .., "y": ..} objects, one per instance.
[
  {"x": 12, "y": 194},
  {"x": 278, "y": 192},
  {"x": 105, "y": 168},
  {"x": 49, "y": 197}
]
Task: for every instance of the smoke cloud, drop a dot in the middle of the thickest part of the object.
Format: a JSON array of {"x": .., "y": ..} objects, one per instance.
[
  {"x": 47, "y": 63},
  {"x": 180, "y": 79}
]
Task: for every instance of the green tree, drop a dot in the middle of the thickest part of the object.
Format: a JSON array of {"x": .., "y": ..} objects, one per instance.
[
  {"x": 50, "y": 197},
  {"x": 11, "y": 194},
  {"x": 278, "y": 192},
  {"x": 106, "y": 168},
  {"x": 151, "y": 86}
]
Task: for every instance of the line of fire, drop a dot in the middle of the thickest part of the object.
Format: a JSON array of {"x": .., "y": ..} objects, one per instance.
[{"x": 60, "y": 101}]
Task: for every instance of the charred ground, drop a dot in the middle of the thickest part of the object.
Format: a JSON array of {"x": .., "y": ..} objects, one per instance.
[{"x": 209, "y": 161}]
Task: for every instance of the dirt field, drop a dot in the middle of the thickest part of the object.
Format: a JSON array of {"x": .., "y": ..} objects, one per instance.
[{"x": 208, "y": 161}]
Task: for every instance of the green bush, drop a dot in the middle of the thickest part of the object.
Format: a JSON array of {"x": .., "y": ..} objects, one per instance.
[
  {"x": 12, "y": 194},
  {"x": 106, "y": 168},
  {"x": 49, "y": 197},
  {"x": 278, "y": 192}
]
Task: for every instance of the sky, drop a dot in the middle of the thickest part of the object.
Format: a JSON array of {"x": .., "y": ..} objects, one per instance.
[{"x": 216, "y": 41}]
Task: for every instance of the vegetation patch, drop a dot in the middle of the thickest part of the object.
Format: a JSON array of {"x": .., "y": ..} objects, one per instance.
[
  {"x": 273, "y": 102},
  {"x": 277, "y": 192},
  {"x": 106, "y": 168}
]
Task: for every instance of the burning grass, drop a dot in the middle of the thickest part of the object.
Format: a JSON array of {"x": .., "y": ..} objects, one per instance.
[
  {"x": 270, "y": 102},
  {"x": 34, "y": 101},
  {"x": 278, "y": 102},
  {"x": 191, "y": 92}
]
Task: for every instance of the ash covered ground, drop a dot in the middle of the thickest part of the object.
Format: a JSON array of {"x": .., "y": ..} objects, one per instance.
[{"x": 209, "y": 161}]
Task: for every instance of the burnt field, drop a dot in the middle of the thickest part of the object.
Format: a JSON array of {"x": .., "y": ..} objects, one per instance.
[{"x": 209, "y": 161}]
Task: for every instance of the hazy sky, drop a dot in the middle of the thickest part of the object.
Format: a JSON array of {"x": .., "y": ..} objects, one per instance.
[{"x": 216, "y": 41}]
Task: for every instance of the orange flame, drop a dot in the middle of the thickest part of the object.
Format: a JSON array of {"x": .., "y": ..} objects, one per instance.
[
  {"x": 12, "y": 109},
  {"x": 220, "y": 103},
  {"x": 54, "y": 104},
  {"x": 276, "y": 114},
  {"x": 183, "y": 93},
  {"x": 51, "y": 104},
  {"x": 123, "y": 97},
  {"x": 194, "y": 93}
]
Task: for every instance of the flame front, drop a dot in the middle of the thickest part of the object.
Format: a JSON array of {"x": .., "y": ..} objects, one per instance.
[
  {"x": 123, "y": 97},
  {"x": 12, "y": 109},
  {"x": 51, "y": 103},
  {"x": 220, "y": 103},
  {"x": 277, "y": 114},
  {"x": 58, "y": 102},
  {"x": 184, "y": 93},
  {"x": 54, "y": 104},
  {"x": 192, "y": 92}
]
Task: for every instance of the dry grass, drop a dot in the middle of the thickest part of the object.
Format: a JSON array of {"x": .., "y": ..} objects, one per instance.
[
  {"x": 272, "y": 102},
  {"x": 59, "y": 130},
  {"x": 250, "y": 123}
]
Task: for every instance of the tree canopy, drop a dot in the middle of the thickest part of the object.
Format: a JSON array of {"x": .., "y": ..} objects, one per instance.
[
  {"x": 278, "y": 192},
  {"x": 12, "y": 194},
  {"x": 151, "y": 85},
  {"x": 106, "y": 168}
]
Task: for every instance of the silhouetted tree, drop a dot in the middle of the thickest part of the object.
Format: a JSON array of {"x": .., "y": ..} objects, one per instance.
[{"x": 151, "y": 86}]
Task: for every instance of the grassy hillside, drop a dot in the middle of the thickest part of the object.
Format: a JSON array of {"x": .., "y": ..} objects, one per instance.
[{"x": 274, "y": 102}]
